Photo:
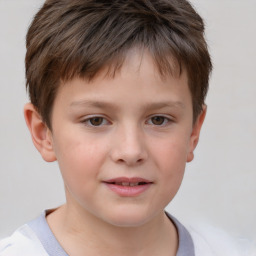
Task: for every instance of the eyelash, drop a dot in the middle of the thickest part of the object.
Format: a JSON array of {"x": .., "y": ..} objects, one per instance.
[
  {"x": 166, "y": 120},
  {"x": 88, "y": 121},
  {"x": 104, "y": 121}
]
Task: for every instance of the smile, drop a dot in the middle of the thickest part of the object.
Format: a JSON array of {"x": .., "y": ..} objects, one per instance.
[
  {"x": 129, "y": 184},
  {"x": 128, "y": 187}
]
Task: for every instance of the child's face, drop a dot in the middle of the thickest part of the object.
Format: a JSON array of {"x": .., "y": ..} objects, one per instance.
[{"x": 135, "y": 127}]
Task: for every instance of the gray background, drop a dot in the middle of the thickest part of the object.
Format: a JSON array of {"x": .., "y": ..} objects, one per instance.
[{"x": 220, "y": 184}]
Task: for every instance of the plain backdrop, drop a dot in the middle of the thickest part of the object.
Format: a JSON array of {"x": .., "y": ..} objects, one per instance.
[{"x": 219, "y": 185}]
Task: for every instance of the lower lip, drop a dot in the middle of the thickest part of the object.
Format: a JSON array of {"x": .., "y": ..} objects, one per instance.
[{"x": 128, "y": 191}]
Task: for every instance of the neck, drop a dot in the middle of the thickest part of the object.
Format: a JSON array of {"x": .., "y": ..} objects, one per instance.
[{"x": 82, "y": 233}]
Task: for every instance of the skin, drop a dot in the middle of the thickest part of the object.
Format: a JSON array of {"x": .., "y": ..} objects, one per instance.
[{"x": 144, "y": 128}]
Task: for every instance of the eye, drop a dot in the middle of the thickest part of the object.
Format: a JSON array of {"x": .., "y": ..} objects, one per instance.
[
  {"x": 95, "y": 121},
  {"x": 159, "y": 120}
]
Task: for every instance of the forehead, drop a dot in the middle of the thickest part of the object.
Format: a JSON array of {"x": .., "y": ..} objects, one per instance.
[
  {"x": 138, "y": 76},
  {"x": 135, "y": 91}
]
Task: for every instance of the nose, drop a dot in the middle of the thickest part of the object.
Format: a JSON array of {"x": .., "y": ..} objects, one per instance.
[{"x": 129, "y": 146}]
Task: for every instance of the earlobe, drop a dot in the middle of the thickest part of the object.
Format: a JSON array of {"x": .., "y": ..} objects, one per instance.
[
  {"x": 194, "y": 138},
  {"x": 40, "y": 133}
]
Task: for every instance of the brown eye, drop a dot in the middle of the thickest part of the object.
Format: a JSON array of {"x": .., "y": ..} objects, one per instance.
[
  {"x": 158, "y": 120},
  {"x": 96, "y": 121}
]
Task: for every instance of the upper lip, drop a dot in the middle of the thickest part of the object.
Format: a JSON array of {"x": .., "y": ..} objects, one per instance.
[{"x": 128, "y": 180}]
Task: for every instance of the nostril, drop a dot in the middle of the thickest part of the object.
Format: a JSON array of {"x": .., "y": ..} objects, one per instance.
[
  {"x": 129, "y": 156},
  {"x": 121, "y": 160}
]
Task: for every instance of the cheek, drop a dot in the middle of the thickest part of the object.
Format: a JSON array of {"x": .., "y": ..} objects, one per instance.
[
  {"x": 170, "y": 158},
  {"x": 171, "y": 154},
  {"x": 79, "y": 158}
]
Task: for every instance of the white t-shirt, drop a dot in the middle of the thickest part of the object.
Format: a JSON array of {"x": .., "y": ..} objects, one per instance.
[{"x": 36, "y": 239}]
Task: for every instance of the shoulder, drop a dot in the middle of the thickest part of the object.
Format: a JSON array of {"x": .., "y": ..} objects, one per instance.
[
  {"x": 23, "y": 242},
  {"x": 212, "y": 241}
]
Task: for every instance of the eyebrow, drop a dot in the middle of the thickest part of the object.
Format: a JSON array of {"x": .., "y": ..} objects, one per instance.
[
  {"x": 89, "y": 103},
  {"x": 108, "y": 105},
  {"x": 164, "y": 104}
]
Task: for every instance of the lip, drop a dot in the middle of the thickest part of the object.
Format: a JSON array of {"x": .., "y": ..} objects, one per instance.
[{"x": 127, "y": 190}]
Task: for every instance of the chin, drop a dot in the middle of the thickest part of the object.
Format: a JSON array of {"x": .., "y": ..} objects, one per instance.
[{"x": 128, "y": 218}]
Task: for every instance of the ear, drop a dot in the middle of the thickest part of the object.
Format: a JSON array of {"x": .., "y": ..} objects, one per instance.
[
  {"x": 40, "y": 133},
  {"x": 194, "y": 137}
]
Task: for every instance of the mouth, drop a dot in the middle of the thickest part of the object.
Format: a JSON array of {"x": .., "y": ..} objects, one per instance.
[
  {"x": 128, "y": 187},
  {"x": 128, "y": 182}
]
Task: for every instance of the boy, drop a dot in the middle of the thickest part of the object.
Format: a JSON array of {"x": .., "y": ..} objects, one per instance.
[{"x": 117, "y": 93}]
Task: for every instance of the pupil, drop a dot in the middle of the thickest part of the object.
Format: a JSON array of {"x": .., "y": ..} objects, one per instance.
[
  {"x": 96, "y": 121},
  {"x": 157, "y": 120}
]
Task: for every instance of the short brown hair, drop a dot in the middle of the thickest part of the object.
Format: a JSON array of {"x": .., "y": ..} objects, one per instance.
[{"x": 69, "y": 38}]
